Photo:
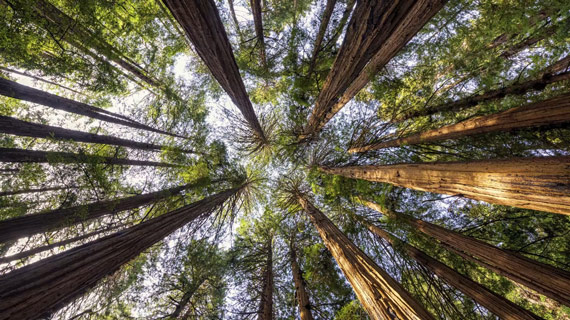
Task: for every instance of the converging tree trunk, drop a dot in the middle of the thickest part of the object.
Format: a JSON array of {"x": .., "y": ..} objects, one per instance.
[
  {"x": 543, "y": 278},
  {"x": 300, "y": 286},
  {"x": 550, "y": 112},
  {"x": 380, "y": 295},
  {"x": 38, "y": 289},
  {"x": 185, "y": 300},
  {"x": 376, "y": 32},
  {"x": 538, "y": 183},
  {"x": 202, "y": 23},
  {"x": 495, "y": 303},
  {"x": 27, "y": 225},
  {"x": 321, "y": 33},
  {"x": 258, "y": 23},
  {"x": 22, "y": 128},
  {"x": 31, "y": 190},
  {"x": 265, "y": 311}
]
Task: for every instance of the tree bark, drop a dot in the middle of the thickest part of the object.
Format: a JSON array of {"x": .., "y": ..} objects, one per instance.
[
  {"x": 184, "y": 301},
  {"x": 25, "y": 74},
  {"x": 300, "y": 287},
  {"x": 27, "y": 156},
  {"x": 38, "y": 289},
  {"x": 380, "y": 295},
  {"x": 376, "y": 32},
  {"x": 537, "y": 183},
  {"x": 495, "y": 303},
  {"x": 31, "y": 190},
  {"x": 543, "y": 278},
  {"x": 15, "y": 90},
  {"x": 202, "y": 23},
  {"x": 22, "y": 128},
  {"x": 16, "y": 228},
  {"x": 258, "y": 23},
  {"x": 321, "y": 33},
  {"x": 266, "y": 302},
  {"x": 551, "y": 112},
  {"x": 235, "y": 19}
]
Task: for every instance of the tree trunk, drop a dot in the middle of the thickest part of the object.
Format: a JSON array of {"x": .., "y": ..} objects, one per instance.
[
  {"x": 22, "y": 128},
  {"x": 543, "y": 278},
  {"x": 31, "y": 190},
  {"x": 25, "y": 74},
  {"x": 266, "y": 302},
  {"x": 342, "y": 22},
  {"x": 38, "y": 289},
  {"x": 495, "y": 303},
  {"x": 300, "y": 287},
  {"x": 376, "y": 32},
  {"x": 554, "y": 111},
  {"x": 235, "y": 19},
  {"x": 539, "y": 183},
  {"x": 184, "y": 301},
  {"x": 258, "y": 23},
  {"x": 16, "y": 228},
  {"x": 380, "y": 295},
  {"x": 202, "y": 23},
  {"x": 321, "y": 34},
  {"x": 15, "y": 90}
]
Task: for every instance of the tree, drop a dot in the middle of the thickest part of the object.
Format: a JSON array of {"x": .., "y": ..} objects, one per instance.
[
  {"x": 265, "y": 311},
  {"x": 258, "y": 22},
  {"x": 321, "y": 33},
  {"x": 300, "y": 286}
]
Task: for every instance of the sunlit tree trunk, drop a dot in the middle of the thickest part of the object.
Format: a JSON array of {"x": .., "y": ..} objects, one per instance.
[
  {"x": 380, "y": 295},
  {"x": 538, "y": 183},
  {"x": 376, "y": 32},
  {"x": 321, "y": 33},
  {"x": 265, "y": 311},
  {"x": 300, "y": 287},
  {"x": 550, "y": 112},
  {"x": 27, "y": 225},
  {"x": 258, "y": 23},
  {"x": 498, "y": 305},
  {"x": 543, "y": 278}
]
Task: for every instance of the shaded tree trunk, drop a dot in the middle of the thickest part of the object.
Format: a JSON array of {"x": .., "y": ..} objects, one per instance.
[
  {"x": 27, "y": 156},
  {"x": 300, "y": 287},
  {"x": 266, "y": 302},
  {"x": 538, "y": 183},
  {"x": 25, "y": 74},
  {"x": 16, "y": 228},
  {"x": 543, "y": 278},
  {"x": 554, "y": 111},
  {"x": 376, "y": 32},
  {"x": 38, "y": 289},
  {"x": 22, "y": 128},
  {"x": 235, "y": 19},
  {"x": 321, "y": 33},
  {"x": 184, "y": 301},
  {"x": 342, "y": 22},
  {"x": 202, "y": 23},
  {"x": 15, "y": 90},
  {"x": 258, "y": 23},
  {"x": 380, "y": 295},
  {"x": 495, "y": 303},
  {"x": 31, "y": 190}
]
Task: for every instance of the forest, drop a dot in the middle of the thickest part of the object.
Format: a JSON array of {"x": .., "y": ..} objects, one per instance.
[{"x": 285, "y": 159}]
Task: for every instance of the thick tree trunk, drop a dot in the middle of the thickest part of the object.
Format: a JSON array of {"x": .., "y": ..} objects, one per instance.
[
  {"x": 321, "y": 33},
  {"x": 258, "y": 23},
  {"x": 22, "y": 128},
  {"x": 26, "y": 156},
  {"x": 541, "y": 183},
  {"x": 380, "y": 295},
  {"x": 41, "y": 288},
  {"x": 16, "y": 228},
  {"x": 15, "y": 90},
  {"x": 495, "y": 303},
  {"x": 300, "y": 287},
  {"x": 202, "y": 23},
  {"x": 554, "y": 111},
  {"x": 543, "y": 278},
  {"x": 376, "y": 32},
  {"x": 265, "y": 311}
]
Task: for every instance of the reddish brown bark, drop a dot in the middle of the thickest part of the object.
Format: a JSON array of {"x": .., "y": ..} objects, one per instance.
[
  {"x": 300, "y": 287},
  {"x": 258, "y": 23},
  {"x": 321, "y": 33},
  {"x": 380, "y": 295},
  {"x": 40, "y": 288},
  {"x": 543, "y": 278},
  {"x": 265, "y": 311},
  {"x": 541, "y": 183}
]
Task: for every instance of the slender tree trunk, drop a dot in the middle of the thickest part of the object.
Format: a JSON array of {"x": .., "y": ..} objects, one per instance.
[
  {"x": 202, "y": 23},
  {"x": 235, "y": 19},
  {"x": 22, "y": 128},
  {"x": 300, "y": 287},
  {"x": 31, "y": 190},
  {"x": 15, "y": 90},
  {"x": 25, "y": 74},
  {"x": 258, "y": 23},
  {"x": 19, "y": 227},
  {"x": 376, "y": 32},
  {"x": 541, "y": 183},
  {"x": 27, "y": 156},
  {"x": 266, "y": 302},
  {"x": 543, "y": 278},
  {"x": 380, "y": 295},
  {"x": 551, "y": 112},
  {"x": 184, "y": 301},
  {"x": 342, "y": 22},
  {"x": 321, "y": 33},
  {"x": 495, "y": 303},
  {"x": 38, "y": 289}
]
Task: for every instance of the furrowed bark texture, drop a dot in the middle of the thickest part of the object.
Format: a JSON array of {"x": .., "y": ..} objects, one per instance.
[
  {"x": 266, "y": 302},
  {"x": 541, "y": 183},
  {"x": 258, "y": 23},
  {"x": 43, "y": 287},
  {"x": 15, "y": 90},
  {"x": 321, "y": 33},
  {"x": 202, "y": 23},
  {"x": 300, "y": 287},
  {"x": 543, "y": 278},
  {"x": 17, "y": 127},
  {"x": 23, "y": 156},
  {"x": 380, "y": 295},
  {"x": 495, "y": 303},
  {"x": 15, "y": 228},
  {"x": 550, "y": 112},
  {"x": 376, "y": 32}
]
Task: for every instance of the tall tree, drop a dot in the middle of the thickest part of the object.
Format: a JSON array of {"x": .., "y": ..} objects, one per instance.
[
  {"x": 258, "y": 23},
  {"x": 32, "y": 190},
  {"x": 538, "y": 183},
  {"x": 300, "y": 286},
  {"x": 327, "y": 13},
  {"x": 265, "y": 311}
]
